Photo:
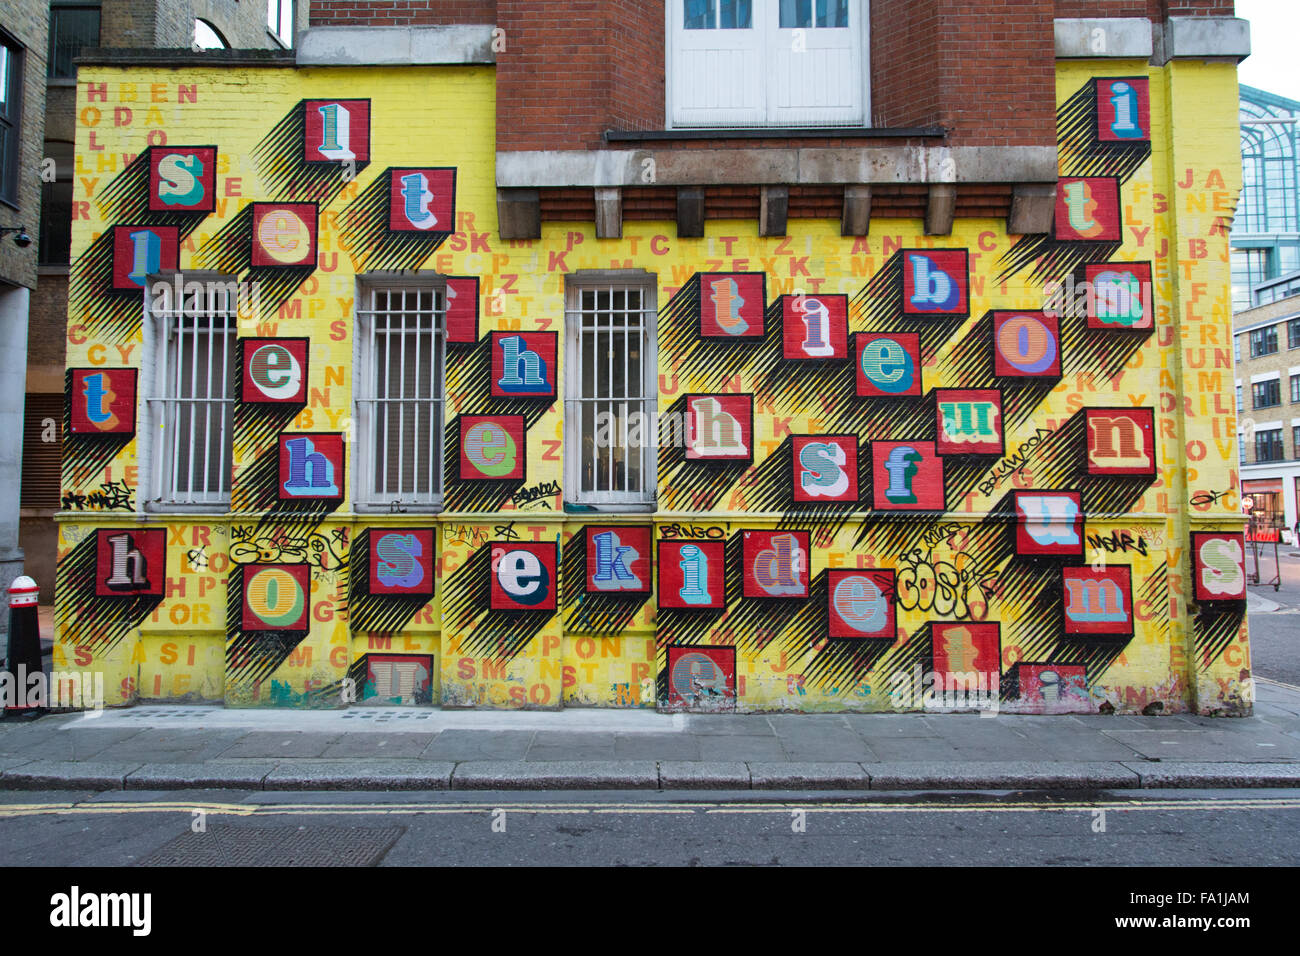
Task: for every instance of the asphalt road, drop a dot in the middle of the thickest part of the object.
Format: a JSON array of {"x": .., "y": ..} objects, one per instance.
[
  {"x": 1275, "y": 635},
  {"x": 1146, "y": 828}
]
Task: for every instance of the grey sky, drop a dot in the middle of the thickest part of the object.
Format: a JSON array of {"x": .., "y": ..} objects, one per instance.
[{"x": 1272, "y": 64}]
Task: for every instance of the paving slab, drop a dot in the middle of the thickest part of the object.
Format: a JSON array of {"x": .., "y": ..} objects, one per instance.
[
  {"x": 1209, "y": 745},
  {"x": 913, "y": 748},
  {"x": 67, "y": 775},
  {"x": 170, "y": 746},
  {"x": 744, "y": 725},
  {"x": 360, "y": 775},
  {"x": 1199, "y": 775},
  {"x": 808, "y": 776},
  {"x": 231, "y": 775},
  {"x": 458, "y": 745},
  {"x": 890, "y": 726},
  {"x": 79, "y": 744},
  {"x": 738, "y": 748},
  {"x": 568, "y": 745},
  {"x": 379, "y": 746},
  {"x": 1011, "y": 775},
  {"x": 556, "y": 775},
  {"x": 703, "y": 775},
  {"x": 287, "y": 745},
  {"x": 656, "y": 747}
]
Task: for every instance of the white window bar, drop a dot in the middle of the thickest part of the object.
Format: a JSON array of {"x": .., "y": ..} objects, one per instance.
[
  {"x": 194, "y": 398},
  {"x": 403, "y": 406},
  {"x": 608, "y": 395}
]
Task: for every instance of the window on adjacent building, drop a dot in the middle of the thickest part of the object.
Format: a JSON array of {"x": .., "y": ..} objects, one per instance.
[
  {"x": 610, "y": 392},
  {"x": 767, "y": 63},
  {"x": 1240, "y": 406},
  {"x": 73, "y": 26},
  {"x": 1263, "y": 341},
  {"x": 1293, "y": 334},
  {"x": 401, "y": 334},
  {"x": 1295, "y": 389},
  {"x": 56, "y": 207},
  {"x": 207, "y": 37},
  {"x": 1236, "y": 347},
  {"x": 11, "y": 107},
  {"x": 189, "y": 370},
  {"x": 1241, "y": 448},
  {"x": 279, "y": 20},
  {"x": 1268, "y": 445},
  {"x": 1267, "y": 394},
  {"x": 42, "y": 451}
]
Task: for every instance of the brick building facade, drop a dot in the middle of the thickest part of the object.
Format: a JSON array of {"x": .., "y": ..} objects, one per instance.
[{"x": 705, "y": 355}]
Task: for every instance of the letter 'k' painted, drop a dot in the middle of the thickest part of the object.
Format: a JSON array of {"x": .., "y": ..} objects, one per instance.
[{"x": 612, "y": 560}]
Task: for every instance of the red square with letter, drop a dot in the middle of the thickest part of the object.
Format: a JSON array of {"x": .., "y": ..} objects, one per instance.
[
  {"x": 825, "y": 468},
  {"x": 1098, "y": 601},
  {"x": 284, "y": 234},
  {"x": 1088, "y": 210},
  {"x": 702, "y": 678},
  {"x": 275, "y": 371},
  {"x": 524, "y": 576},
  {"x": 422, "y": 201},
  {"x": 338, "y": 131},
  {"x": 130, "y": 562},
  {"x": 936, "y": 282},
  {"x": 182, "y": 179},
  {"x": 1026, "y": 345},
  {"x": 103, "y": 401},
  {"x": 1121, "y": 441},
  {"x": 777, "y": 564},
  {"x": 619, "y": 559},
  {"x": 402, "y": 561},
  {"x": 692, "y": 575},
  {"x": 862, "y": 604},
  {"x": 1219, "y": 562},
  {"x": 888, "y": 364},
  {"x": 732, "y": 305},
  {"x": 142, "y": 251},
  {"x": 1123, "y": 109},
  {"x": 815, "y": 326},
  {"x": 906, "y": 476},
  {"x": 277, "y": 597},
  {"x": 492, "y": 447}
]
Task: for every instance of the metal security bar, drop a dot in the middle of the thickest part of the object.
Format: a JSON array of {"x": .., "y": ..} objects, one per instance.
[
  {"x": 403, "y": 404},
  {"x": 610, "y": 400},
  {"x": 195, "y": 402}
]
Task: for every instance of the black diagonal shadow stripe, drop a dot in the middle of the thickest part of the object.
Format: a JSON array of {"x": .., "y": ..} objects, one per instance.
[
  {"x": 108, "y": 315},
  {"x": 252, "y": 656},
  {"x": 377, "y": 613},
  {"x": 688, "y": 356},
  {"x": 85, "y": 456},
  {"x": 230, "y": 251},
  {"x": 256, "y": 427},
  {"x": 686, "y": 485},
  {"x": 1215, "y": 629},
  {"x": 84, "y": 619},
  {"x": 843, "y": 664},
  {"x": 961, "y": 474},
  {"x": 771, "y": 489},
  {"x": 1034, "y": 618},
  {"x": 1154, "y": 592},
  {"x": 471, "y": 494},
  {"x": 286, "y": 174},
  {"x": 471, "y": 375},
  {"x": 1089, "y": 351},
  {"x": 1112, "y": 495},
  {"x": 363, "y": 225},
  {"x": 1082, "y": 154},
  {"x": 1052, "y": 259},
  {"x": 1020, "y": 400},
  {"x": 796, "y": 625},
  {"x": 466, "y": 606},
  {"x": 894, "y": 533},
  {"x": 1058, "y": 459},
  {"x": 594, "y": 613},
  {"x": 970, "y": 361},
  {"x": 881, "y": 299}
]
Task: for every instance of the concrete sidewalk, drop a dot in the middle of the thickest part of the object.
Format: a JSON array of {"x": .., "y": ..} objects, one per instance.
[{"x": 174, "y": 748}]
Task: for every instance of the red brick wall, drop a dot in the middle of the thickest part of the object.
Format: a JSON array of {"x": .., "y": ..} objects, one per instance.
[
  {"x": 1155, "y": 9},
  {"x": 905, "y": 62},
  {"x": 400, "y": 13}
]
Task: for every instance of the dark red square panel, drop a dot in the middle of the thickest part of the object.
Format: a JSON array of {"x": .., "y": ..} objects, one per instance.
[
  {"x": 1088, "y": 209},
  {"x": 619, "y": 559},
  {"x": 861, "y": 604},
  {"x": 130, "y": 562},
  {"x": 691, "y": 575},
  {"x": 402, "y": 561},
  {"x": 1098, "y": 601},
  {"x": 888, "y": 364},
  {"x": 1218, "y": 559},
  {"x": 825, "y": 468},
  {"x": 275, "y": 371},
  {"x": 277, "y": 597},
  {"x": 337, "y": 131},
  {"x": 969, "y": 421},
  {"x": 1026, "y": 345},
  {"x": 142, "y": 251},
  {"x": 1119, "y": 295},
  {"x": 492, "y": 447},
  {"x": 776, "y": 564},
  {"x": 732, "y": 305},
  {"x": 284, "y": 234},
  {"x": 815, "y": 327},
  {"x": 311, "y": 466},
  {"x": 720, "y": 427},
  {"x": 936, "y": 282},
  {"x": 103, "y": 401},
  {"x": 906, "y": 476},
  {"x": 702, "y": 678},
  {"x": 1121, "y": 441},
  {"x": 1123, "y": 109},
  {"x": 1049, "y": 523},
  {"x": 462, "y": 309},
  {"x": 525, "y": 576},
  {"x": 422, "y": 200},
  {"x": 523, "y": 364},
  {"x": 182, "y": 179}
]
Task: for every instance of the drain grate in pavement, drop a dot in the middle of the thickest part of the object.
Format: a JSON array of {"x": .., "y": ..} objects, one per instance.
[{"x": 224, "y": 845}]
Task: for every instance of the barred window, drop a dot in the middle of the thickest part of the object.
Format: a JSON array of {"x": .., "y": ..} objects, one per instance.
[
  {"x": 611, "y": 392},
  {"x": 190, "y": 344},
  {"x": 400, "y": 396}
]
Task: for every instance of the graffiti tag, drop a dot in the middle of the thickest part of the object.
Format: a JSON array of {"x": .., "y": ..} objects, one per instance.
[
  {"x": 112, "y": 496},
  {"x": 1014, "y": 464},
  {"x": 325, "y": 552},
  {"x": 1118, "y": 541},
  {"x": 692, "y": 531},
  {"x": 536, "y": 494},
  {"x": 959, "y": 587}
]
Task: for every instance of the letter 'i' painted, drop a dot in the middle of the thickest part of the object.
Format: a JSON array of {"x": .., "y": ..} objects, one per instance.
[
  {"x": 336, "y": 131},
  {"x": 146, "y": 255},
  {"x": 1125, "y": 101},
  {"x": 695, "y": 576},
  {"x": 817, "y": 329}
]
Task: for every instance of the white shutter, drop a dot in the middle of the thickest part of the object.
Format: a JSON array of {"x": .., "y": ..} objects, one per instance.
[
  {"x": 716, "y": 75},
  {"x": 814, "y": 79}
]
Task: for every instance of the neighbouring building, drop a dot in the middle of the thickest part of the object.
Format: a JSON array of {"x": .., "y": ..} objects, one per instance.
[
  {"x": 22, "y": 124},
  {"x": 708, "y": 355},
  {"x": 1267, "y": 350},
  {"x": 1266, "y": 231},
  {"x": 76, "y": 25}
]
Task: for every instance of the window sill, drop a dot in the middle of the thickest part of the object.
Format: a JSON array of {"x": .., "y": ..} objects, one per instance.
[
  {"x": 610, "y": 507},
  {"x": 775, "y": 132}
]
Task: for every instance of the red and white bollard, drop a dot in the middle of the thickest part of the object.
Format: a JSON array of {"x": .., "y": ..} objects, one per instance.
[{"x": 24, "y": 657}]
